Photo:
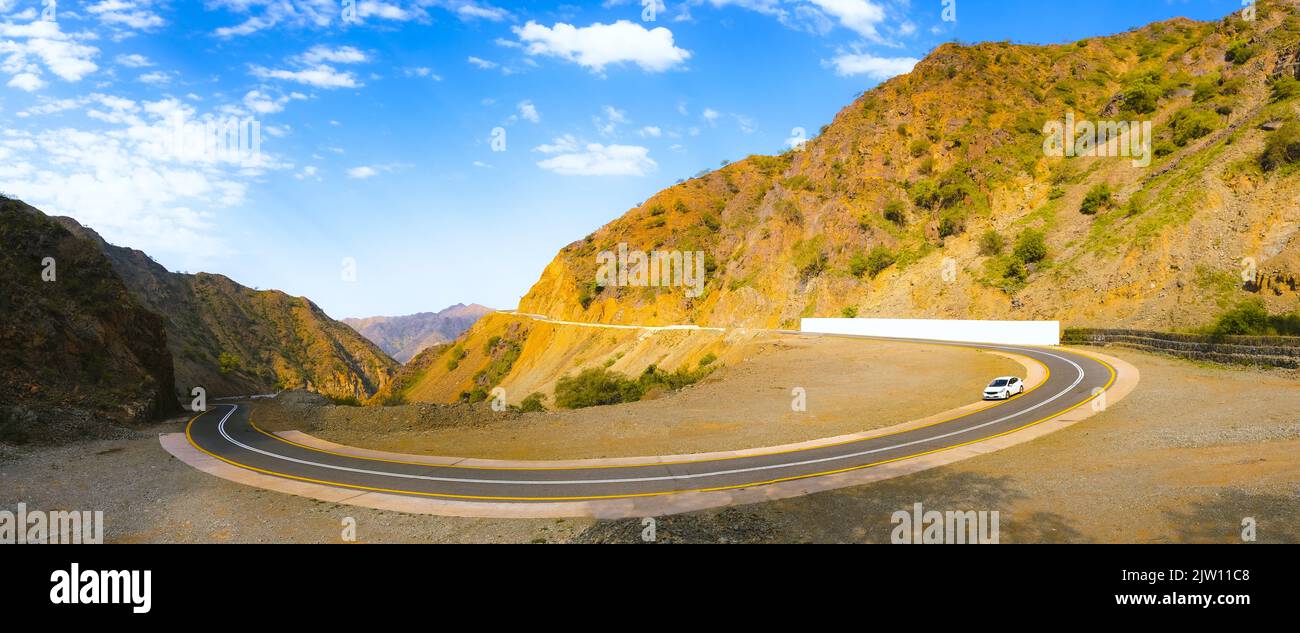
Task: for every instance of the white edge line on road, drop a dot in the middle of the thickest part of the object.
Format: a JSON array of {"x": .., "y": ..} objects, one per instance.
[{"x": 221, "y": 427}]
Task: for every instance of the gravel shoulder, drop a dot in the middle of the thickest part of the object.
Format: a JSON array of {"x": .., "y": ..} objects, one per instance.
[{"x": 148, "y": 496}]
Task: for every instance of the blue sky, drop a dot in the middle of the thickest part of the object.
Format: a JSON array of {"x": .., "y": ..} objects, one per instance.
[{"x": 377, "y": 120}]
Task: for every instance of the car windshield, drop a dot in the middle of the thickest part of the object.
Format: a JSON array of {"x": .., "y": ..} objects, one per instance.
[{"x": 1000, "y": 382}]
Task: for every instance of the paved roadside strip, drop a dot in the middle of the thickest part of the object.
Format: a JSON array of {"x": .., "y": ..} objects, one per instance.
[{"x": 640, "y": 496}]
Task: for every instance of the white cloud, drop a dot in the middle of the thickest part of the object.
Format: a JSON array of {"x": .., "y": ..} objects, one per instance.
[
  {"x": 262, "y": 103},
  {"x": 798, "y": 139},
  {"x": 314, "y": 68},
  {"x": 482, "y": 63},
  {"x": 600, "y": 45},
  {"x": 746, "y": 124},
  {"x": 127, "y": 14},
  {"x": 363, "y": 172},
  {"x": 261, "y": 15},
  {"x": 265, "y": 14},
  {"x": 341, "y": 55},
  {"x": 26, "y": 81},
  {"x": 422, "y": 72},
  {"x": 863, "y": 17},
  {"x": 471, "y": 11},
  {"x": 126, "y": 178},
  {"x": 25, "y": 48},
  {"x": 859, "y": 16},
  {"x": 879, "y": 68},
  {"x": 710, "y": 115},
  {"x": 134, "y": 60},
  {"x": 155, "y": 77},
  {"x": 528, "y": 112},
  {"x": 608, "y": 124},
  {"x": 319, "y": 77},
  {"x": 596, "y": 159},
  {"x": 384, "y": 11},
  {"x": 566, "y": 143},
  {"x": 651, "y": 131}
]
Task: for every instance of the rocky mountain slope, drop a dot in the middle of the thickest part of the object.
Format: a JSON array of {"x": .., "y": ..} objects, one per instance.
[
  {"x": 912, "y": 202},
  {"x": 79, "y": 354},
  {"x": 234, "y": 340},
  {"x": 936, "y": 195},
  {"x": 405, "y": 336}
]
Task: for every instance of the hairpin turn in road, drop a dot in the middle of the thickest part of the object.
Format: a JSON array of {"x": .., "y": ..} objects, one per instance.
[{"x": 227, "y": 434}]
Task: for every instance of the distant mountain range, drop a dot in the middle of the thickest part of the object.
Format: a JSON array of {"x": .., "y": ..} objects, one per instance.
[{"x": 405, "y": 336}]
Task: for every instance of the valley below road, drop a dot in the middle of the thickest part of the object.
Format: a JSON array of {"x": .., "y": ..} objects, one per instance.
[{"x": 1184, "y": 458}]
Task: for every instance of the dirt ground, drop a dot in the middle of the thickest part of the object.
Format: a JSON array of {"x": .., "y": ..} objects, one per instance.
[
  {"x": 1189, "y": 455},
  {"x": 149, "y": 496},
  {"x": 1185, "y": 458},
  {"x": 851, "y": 386}
]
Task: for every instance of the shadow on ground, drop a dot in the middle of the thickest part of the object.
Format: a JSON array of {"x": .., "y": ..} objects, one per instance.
[
  {"x": 853, "y": 515},
  {"x": 1219, "y": 519}
]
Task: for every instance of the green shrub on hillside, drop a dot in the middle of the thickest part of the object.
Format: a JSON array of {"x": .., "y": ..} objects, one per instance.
[
  {"x": 809, "y": 257},
  {"x": 952, "y": 222},
  {"x": 1282, "y": 147},
  {"x": 1135, "y": 205},
  {"x": 532, "y": 404},
  {"x": 1284, "y": 89},
  {"x": 500, "y": 364},
  {"x": 458, "y": 354},
  {"x": 1251, "y": 318},
  {"x": 587, "y": 295},
  {"x": 873, "y": 263},
  {"x": 798, "y": 182},
  {"x": 991, "y": 243},
  {"x": 1206, "y": 88},
  {"x": 1098, "y": 198},
  {"x": 894, "y": 212},
  {"x": 1031, "y": 247},
  {"x": 1014, "y": 271},
  {"x": 925, "y": 193},
  {"x": 1191, "y": 124},
  {"x": 1239, "y": 53},
  {"x": 789, "y": 211},
  {"x": 1143, "y": 94},
  {"x": 229, "y": 362},
  {"x": 599, "y": 387}
]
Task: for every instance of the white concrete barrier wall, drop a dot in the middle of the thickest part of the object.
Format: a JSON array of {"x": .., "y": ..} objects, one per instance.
[{"x": 1007, "y": 332}]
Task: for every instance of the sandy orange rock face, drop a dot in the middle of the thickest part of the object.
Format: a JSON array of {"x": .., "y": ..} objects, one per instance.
[{"x": 924, "y": 166}]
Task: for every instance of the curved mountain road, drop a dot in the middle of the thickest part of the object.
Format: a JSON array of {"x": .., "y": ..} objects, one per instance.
[{"x": 226, "y": 434}]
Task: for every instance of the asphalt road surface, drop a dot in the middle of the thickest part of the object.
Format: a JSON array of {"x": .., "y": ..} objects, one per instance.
[{"x": 226, "y": 433}]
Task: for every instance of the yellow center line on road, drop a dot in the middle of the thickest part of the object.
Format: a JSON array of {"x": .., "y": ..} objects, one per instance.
[
  {"x": 1109, "y": 383},
  {"x": 1046, "y": 378}
]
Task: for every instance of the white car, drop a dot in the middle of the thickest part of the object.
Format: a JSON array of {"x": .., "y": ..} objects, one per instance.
[{"x": 1003, "y": 388}]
